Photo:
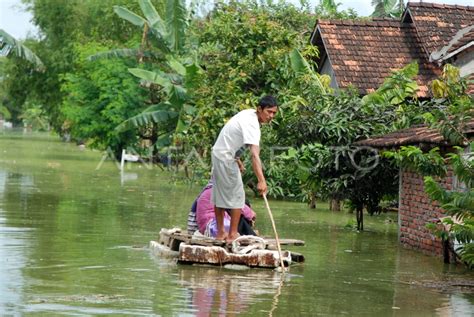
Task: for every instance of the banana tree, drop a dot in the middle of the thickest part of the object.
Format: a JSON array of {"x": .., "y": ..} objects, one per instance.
[
  {"x": 300, "y": 66},
  {"x": 4, "y": 113},
  {"x": 176, "y": 72},
  {"x": 168, "y": 33},
  {"x": 9, "y": 45}
]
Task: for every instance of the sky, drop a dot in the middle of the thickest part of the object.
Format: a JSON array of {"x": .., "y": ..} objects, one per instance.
[{"x": 17, "y": 22}]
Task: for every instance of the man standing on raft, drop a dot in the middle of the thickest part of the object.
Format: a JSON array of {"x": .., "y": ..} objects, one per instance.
[{"x": 241, "y": 131}]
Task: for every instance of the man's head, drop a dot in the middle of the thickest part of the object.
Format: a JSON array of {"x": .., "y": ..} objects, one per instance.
[{"x": 267, "y": 109}]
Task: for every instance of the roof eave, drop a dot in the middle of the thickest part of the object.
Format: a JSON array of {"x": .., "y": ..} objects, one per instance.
[
  {"x": 313, "y": 33},
  {"x": 441, "y": 54}
]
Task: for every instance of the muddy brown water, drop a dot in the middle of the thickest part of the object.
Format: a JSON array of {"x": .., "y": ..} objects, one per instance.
[{"x": 74, "y": 235}]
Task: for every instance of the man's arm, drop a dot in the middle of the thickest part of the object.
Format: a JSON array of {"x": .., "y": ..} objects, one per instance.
[
  {"x": 241, "y": 165},
  {"x": 257, "y": 168}
]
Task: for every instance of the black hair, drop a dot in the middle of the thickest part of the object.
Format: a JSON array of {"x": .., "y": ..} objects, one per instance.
[{"x": 267, "y": 102}]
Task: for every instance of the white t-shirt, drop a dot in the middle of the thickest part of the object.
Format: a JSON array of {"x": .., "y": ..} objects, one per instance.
[{"x": 241, "y": 129}]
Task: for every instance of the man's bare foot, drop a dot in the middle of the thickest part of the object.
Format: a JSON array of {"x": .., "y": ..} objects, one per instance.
[
  {"x": 221, "y": 236},
  {"x": 231, "y": 237}
]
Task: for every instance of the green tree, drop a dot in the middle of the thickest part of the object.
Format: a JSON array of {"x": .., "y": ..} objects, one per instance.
[
  {"x": 100, "y": 95},
  {"x": 322, "y": 128},
  {"x": 16, "y": 74},
  {"x": 35, "y": 118},
  {"x": 172, "y": 74},
  {"x": 244, "y": 49},
  {"x": 329, "y": 9},
  {"x": 387, "y": 8},
  {"x": 62, "y": 24}
]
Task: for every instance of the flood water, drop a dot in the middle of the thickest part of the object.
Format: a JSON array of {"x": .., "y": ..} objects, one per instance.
[{"x": 74, "y": 236}]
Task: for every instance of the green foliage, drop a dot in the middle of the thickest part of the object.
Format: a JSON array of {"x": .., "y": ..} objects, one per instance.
[
  {"x": 302, "y": 68},
  {"x": 328, "y": 9},
  {"x": 170, "y": 76},
  {"x": 323, "y": 128},
  {"x": 62, "y": 25},
  {"x": 454, "y": 107},
  {"x": 244, "y": 52},
  {"x": 166, "y": 28},
  {"x": 413, "y": 158},
  {"x": 397, "y": 87},
  {"x": 4, "y": 113},
  {"x": 387, "y": 8},
  {"x": 154, "y": 114},
  {"x": 34, "y": 118},
  {"x": 450, "y": 114},
  {"x": 100, "y": 96},
  {"x": 176, "y": 24},
  {"x": 459, "y": 204},
  {"x": 450, "y": 84},
  {"x": 17, "y": 73},
  {"x": 283, "y": 180},
  {"x": 397, "y": 97},
  {"x": 10, "y": 45}
]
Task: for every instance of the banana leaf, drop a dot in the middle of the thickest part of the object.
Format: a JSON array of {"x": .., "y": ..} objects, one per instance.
[
  {"x": 9, "y": 44},
  {"x": 176, "y": 24},
  {"x": 128, "y": 15},
  {"x": 159, "y": 113}
]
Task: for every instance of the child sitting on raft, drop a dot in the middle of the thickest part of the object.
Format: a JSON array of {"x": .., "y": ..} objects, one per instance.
[{"x": 202, "y": 217}]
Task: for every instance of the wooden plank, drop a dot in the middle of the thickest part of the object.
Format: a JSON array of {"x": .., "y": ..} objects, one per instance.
[
  {"x": 207, "y": 242},
  {"x": 219, "y": 256},
  {"x": 296, "y": 242},
  {"x": 174, "y": 237}
]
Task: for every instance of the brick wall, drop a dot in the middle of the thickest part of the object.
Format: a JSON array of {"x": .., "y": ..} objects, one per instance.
[{"x": 416, "y": 209}]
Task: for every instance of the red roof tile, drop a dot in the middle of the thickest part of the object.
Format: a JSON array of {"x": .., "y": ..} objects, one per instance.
[
  {"x": 413, "y": 136},
  {"x": 363, "y": 53},
  {"x": 436, "y": 24},
  {"x": 463, "y": 39}
]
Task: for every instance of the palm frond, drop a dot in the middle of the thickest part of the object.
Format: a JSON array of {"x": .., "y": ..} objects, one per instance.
[
  {"x": 159, "y": 113},
  {"x": 5, "y": 113},
  {"x": 116, "y": 53},
  {"x": 176, "y": 65},
  {"x": 153, "y": 77},
  {"x": 386, "y": 8},
  {"x": 128, "y": 15},
  {"x": 123, "y": 53},
  {"x": 176, "y": 23},
  {"x": 152, "y": 16},
  {"x": 300, "y": 65},
  {"x": 9, "y": 44}
]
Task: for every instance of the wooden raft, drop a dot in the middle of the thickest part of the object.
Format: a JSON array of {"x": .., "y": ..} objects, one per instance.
[{"x": 199, "y": 249}]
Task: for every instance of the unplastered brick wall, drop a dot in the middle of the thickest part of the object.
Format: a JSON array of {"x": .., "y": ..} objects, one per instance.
[{"x": 417, "y": 209}]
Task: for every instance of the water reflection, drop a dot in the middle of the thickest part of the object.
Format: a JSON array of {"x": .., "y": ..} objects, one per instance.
[
  {"x": 214, "y": 291},
  {"x": 125, "y": 177},
  {"x": 12, "y": 257}
]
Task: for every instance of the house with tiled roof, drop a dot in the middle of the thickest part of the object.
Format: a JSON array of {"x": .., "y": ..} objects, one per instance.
[
  {"x": 415, "y": 208},
  {"x": 459, "y": 51},
  {"x": 363, "y": 53}
]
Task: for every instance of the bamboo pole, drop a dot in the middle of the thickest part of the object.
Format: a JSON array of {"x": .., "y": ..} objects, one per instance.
[{"x": 275, "y": 232}]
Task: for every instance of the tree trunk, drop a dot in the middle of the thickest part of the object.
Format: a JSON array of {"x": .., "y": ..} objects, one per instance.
[
  {"x": 312, "y": 200},
  {"x": 334, "y": 204},
  {"x": 360, "y": 218},
  {"x": 153, "y": 139},
  {"x": 446, "y": 251}
]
